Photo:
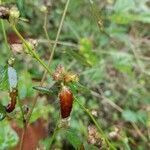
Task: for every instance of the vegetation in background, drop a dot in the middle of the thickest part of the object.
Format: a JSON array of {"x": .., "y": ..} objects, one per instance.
[{"x": 98, "y": 51}]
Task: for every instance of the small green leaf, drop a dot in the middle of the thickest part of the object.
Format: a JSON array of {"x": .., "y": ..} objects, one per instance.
[
  {"x": 129, "y": 115},
  {"x": 85, "y": 50},
  {"x": 2, "y": 112},
  {"x": 12, "y": 78},
  {"x": 3, "y": 78},
  {"x": 8, "y": 137},
  {"x": 25, "y": 85},
  {"x": 78, "y": 57},
  {"x": 73, "y": 139},
  {"x": 43, "y": 89},
  {"x": 124, "y": 5},
  {"x": 41, "y": 110},
  {"x": 78, "y": 87},
  {"x": 91, "y": 147}
]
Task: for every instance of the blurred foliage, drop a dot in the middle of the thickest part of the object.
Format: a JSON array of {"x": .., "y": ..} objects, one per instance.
[
  {"x": 8, "y": 137},
  {"x": 113, "y": 62}
]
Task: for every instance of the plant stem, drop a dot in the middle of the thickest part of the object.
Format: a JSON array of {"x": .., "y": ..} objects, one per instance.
[
  {"x": 22, "y": 113},
  {"x": 53, "y": 136},
  {"x": 102, "y": 135},
  {"x": 4, "y": 34},
  {"x": 31, "y": 110},
  {"x": 31, "y": 50},
  {"x": 57, "y": 37},
  {"x": 22, "y": 138}
]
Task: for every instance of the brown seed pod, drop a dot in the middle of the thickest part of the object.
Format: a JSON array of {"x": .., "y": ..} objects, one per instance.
[
  {"x": 13, "y": 97},
  {"x": 66, "y": 101}
]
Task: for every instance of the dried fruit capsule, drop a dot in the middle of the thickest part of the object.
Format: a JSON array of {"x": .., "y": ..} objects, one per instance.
[{"x": 66, "y": 100}]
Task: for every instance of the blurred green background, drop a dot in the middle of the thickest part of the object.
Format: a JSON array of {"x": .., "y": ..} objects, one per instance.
[{"x": 114, "y": 63}]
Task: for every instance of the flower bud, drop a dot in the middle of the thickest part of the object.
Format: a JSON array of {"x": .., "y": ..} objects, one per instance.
[{"x": 14, "y": 15}]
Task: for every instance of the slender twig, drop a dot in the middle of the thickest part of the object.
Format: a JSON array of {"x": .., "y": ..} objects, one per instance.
[
  {"x": 102, "y": 135},
  {"x": 32, "y": 108},
  {"x": 4, "y": 34},
  {"x": 22, "y": 138},
  {"x": 63, "y": 43},
  {"x": 45, "y": 30},
  {"x": 57, "y": 37},
  {"x": 22, "y": 113}
]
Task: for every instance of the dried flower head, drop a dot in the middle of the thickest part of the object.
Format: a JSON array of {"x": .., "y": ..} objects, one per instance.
[
  {"x": 93, "y": 137},
  {"x": 58, "y": 74},
  {"x": 61, "y": 75}
]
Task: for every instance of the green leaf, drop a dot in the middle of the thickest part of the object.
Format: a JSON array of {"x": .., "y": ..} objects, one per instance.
[
  {"x": 12, "y": 78},
  {"x": 43, "y": 89},
  {"x": 129, "y": 115},
  {"x": 8, "y": 137},
  {"x": 126, "y": 18},
  {"x": 2, "y": 112},
  {"x": 123, "y": 62},
  {"x": 41, "y": 110},
  {"x": 124, "y": 5},
  {"x": 21, "y": 4},
  {"x": 25, "y": 85},
  {"x": 3, "y": 78},
  {"x": 142, "y": 117},
  {"x": 71, "y": 136},
  {"x": 85, "y": 50},
  {"x": 78, "y": 57},
  {"x": 91, "y": 147}
]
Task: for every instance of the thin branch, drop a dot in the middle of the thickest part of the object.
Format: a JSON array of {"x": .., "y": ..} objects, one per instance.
[
  {"x": 57, "y": 37},
  {"x": 63, "y": 43},
  {"x": 4, "y": 34}
]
